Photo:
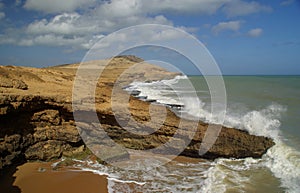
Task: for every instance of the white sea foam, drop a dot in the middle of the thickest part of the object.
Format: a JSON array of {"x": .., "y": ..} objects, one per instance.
[
  {"x": 221, "y": 175},
  {"x": 157, "y": 90},
  {"x": 226, "y": 175},
  {"x": 283, "y": 161},
  {"x": 214, "y": 180},
  {"x": 172, "y": 177},
  {"x": 126, "y": 181},
  {"x": 53, "y": 165}
]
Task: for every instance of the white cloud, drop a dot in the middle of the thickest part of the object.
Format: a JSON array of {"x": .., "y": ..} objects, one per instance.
[
  {"x": 4, "y": 39},
  {"x": 2, "y": 15},
  {"x": 226, "y": 26},
  {"x": 49, "y": 40},
  {"x": 75, "y": 30},
  {"x": 287, "y": 2},
  {"x": 123, "y": 8},
  {"x": 18, "y": 2},
  {"x": 147, "y": 33},
  {"x": 139, "y": 36},
  {"x": 56, "y": 6},
  {"x": 79, "y": 27},
  {"x": 120, "y": 8},
  {"x": 240, "y": 8},
  {"x": 230, "y": 7},
  {"x": 60, "y": 24},
  {"x": 255, "y": 32},
  {"x": 187, "y": 6},
  {"x": 72, "y": 28},
  {"x": 127, "y": 7}
]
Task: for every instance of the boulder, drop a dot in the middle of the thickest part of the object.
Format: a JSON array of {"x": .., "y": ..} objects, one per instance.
[{"x": 46, "y": 150}]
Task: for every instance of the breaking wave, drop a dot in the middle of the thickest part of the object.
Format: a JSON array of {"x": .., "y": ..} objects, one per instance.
[{"x": 282, "y": 160}]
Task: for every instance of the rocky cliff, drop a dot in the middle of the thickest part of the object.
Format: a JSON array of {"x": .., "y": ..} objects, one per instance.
[{"x": 37, "y": 123}]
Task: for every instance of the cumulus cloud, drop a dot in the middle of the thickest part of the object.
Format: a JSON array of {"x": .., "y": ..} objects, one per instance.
[
  {"x": 130, "y": 7},
  {"x": 188, "y": 6},
  {"x": 226, "y": 26},
  {"x": 18, "y": 2},
  {"x": 127, "y": 7},
  {"x": 51, "y": 39},
  {"x": 67, "y": 30},
  {"x": 286, "y": 2},
  {"x": 84, "y": 30},
  {"x": 80, "y": 23},
  {"x": 4, "y": 39},
  {"x": 230, "y": 7},
  {"x": 76, "y": 42},
  {"x": 56, "y": 6},
  {"x": 255, "y": 32},
  {"x": 240, "y": 8},
  {"x": 2, "y": 15},
  {"x": 113, "y": 15},
  {"x": 137, "y": 36},
  {"x": 60, "y": 24}
]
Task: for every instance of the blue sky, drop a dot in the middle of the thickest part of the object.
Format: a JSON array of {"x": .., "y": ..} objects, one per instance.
[{"x": 245, "y": 37}]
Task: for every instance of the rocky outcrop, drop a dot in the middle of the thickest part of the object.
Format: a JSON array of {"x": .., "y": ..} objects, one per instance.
[
  {"x": 12, "y": 83},
  {"x": 36, "y": 128},
  {"x": 38, "y": 123},
  {"x": 131, "y": 58},
  {"x": 186, "y": 135}
]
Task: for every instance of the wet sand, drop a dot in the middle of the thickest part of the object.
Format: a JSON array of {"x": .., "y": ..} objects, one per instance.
[
  {"x": 37, "y": 177},
  {"x": 40, "y": 177}
]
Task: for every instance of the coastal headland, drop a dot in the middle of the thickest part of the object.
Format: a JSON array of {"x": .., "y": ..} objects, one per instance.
[{"x": 37, "y": 123}]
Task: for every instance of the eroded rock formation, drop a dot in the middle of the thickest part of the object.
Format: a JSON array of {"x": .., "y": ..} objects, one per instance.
[{"x": 37, "y": 123}]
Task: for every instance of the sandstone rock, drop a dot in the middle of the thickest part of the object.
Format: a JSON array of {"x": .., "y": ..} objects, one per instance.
[
  {"x": 36, "y": 117},
  {"x": 46, "y": 150},
  {"x": 8, "y": 159},
  {"x": 66, "y": 133},
  {"x": 12, "y": 142},
  {"x": 46, "y": 117},
  {"x": 34, "y": 127},
  {"x": 13, "y": 83},
  {"x": 130, "y": 58},
  {"x": 19, "y": 84},
  {"x": 110, "y": 153},
  {"x": 6, "y": 83},
  {"x": 73, "y": 152}
]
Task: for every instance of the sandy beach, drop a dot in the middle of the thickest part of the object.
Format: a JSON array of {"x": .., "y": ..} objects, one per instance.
[{"x": 37, "y": 177}]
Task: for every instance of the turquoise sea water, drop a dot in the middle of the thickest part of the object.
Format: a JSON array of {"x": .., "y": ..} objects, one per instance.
[
  {"x": 254, "y": 93},
  {"x": 262, "y": 105}
]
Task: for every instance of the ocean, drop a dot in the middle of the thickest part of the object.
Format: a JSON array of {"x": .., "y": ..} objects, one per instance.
[{"x": 262, "y": 105}]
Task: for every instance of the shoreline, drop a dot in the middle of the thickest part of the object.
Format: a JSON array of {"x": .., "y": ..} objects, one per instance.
[
  {"x": 37, "y": 177},
  {"x": 50, "y": 131}
]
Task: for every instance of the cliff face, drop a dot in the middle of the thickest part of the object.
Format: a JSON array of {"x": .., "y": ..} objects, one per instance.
[
  {"x": 37, "y": 123},
  {"x": 37, "y": 128}
]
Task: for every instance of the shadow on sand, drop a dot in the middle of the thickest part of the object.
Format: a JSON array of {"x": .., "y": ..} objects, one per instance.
[{"x": 7, "y": 179}]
